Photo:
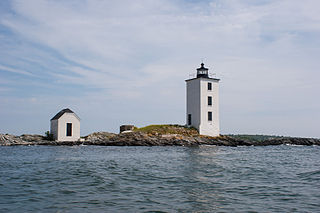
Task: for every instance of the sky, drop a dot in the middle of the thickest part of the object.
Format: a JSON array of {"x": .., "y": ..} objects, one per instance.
[{"x": 120, "y": 62}]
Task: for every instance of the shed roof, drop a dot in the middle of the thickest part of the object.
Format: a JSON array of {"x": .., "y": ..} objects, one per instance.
[{"x": 59, "y": 114}]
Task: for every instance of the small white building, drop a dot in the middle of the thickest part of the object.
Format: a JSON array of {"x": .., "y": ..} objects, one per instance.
[
  {"x": 203, "y": 103},
  {"x": 65, "y": 126}
]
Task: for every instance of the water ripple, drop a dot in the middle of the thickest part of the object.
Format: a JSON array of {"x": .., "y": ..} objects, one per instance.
[{"x": 159, "y": 179}]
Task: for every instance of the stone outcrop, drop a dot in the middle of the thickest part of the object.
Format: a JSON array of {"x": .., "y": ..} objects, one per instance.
[
  {"x": 152, "y": 139},
  {"x": 126, "y": 128}
]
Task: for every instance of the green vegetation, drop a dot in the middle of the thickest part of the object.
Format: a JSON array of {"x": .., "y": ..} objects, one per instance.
[
  {"x": 258, "y": 138},
  {"x": 168, "y": 129},
  {"x": 48, "y": 136},
  {"x": 191, "y": 131}
]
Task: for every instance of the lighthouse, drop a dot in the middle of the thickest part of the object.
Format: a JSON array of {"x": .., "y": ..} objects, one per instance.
[{"x": 203, "y": 103}]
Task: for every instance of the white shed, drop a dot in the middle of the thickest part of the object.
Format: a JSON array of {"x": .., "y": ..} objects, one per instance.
[{"x": 65, "y": 126}]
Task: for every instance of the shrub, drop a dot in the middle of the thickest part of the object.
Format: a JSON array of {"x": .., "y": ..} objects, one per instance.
[{"x": 49, "y": 136}]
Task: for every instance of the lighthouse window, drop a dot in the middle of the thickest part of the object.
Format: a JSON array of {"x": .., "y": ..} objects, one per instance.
[
  {"x": 209, "y": 116},
  {"x": 189, "y": 119},
  {"x": 209, "y": 86},
  {"x": 209, "y": 100}
]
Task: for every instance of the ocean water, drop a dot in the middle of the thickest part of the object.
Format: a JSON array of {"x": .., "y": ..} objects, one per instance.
[{"x": 160, "y": 179}]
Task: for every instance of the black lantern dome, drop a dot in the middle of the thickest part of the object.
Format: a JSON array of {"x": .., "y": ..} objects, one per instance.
[{"x": 202, "y": 72}]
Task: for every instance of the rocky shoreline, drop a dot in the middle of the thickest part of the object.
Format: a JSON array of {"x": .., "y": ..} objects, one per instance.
[{"x": 154, "y": 139}]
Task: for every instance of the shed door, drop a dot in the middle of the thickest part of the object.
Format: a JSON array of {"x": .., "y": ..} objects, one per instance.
[{"x": 69, "y": 129}]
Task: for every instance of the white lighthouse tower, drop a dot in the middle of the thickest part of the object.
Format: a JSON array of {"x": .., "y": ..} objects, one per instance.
[{"x": 203, "y": 103}]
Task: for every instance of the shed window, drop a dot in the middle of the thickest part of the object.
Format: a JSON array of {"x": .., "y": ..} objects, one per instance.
[
  {"x": 209, "y": 116},
  {"x": 209, "y": 86},
  {"x": 69, "y": 129},
  {"x": 209, "y": 100}
]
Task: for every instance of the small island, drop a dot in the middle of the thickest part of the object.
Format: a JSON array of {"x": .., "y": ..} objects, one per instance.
[{"x": 158, "y": 135}]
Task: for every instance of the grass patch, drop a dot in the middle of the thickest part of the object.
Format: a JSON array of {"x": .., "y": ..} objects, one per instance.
[{"x": 168, "y": 129}]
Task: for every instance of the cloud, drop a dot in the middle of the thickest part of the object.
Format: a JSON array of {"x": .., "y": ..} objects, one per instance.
[
  {"x": 4, "y": 89},
  {"x": 114, "y": 52},
  {"x": 13, "y": 70}
]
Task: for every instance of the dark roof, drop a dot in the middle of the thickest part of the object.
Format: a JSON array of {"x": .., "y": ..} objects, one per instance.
[
  {"x": 59, "y": 114},
  {"x": 215, "y": 79},
  {"x": 202, "y": 67},
  {"x": 202, "y": 72}
]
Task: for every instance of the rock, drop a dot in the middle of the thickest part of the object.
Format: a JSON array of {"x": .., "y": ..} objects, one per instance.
[
  {"x": 99, "y": 136},
  {"x": 32, "y": 138},
  {"x": 137, "y": 138},
  {"x": 126, "y": 128}
]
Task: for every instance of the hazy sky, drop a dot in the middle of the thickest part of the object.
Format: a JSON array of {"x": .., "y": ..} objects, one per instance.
[{"x": 125, "y": 62}]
